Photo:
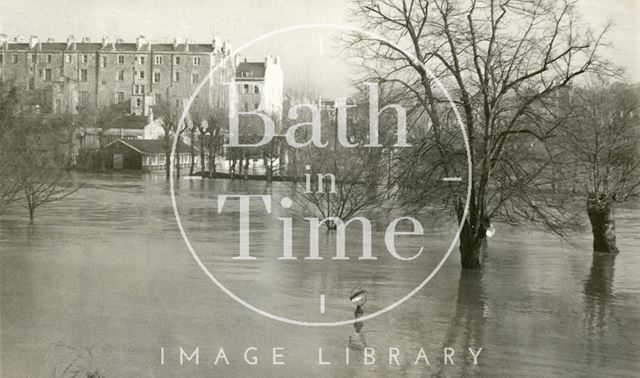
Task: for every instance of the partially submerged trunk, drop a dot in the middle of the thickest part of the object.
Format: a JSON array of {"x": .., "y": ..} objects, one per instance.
[
  {"x": 473, "y": 243},
  {"x": 167, "y": 162},
  {"x": 603, "y": 226},
  {"x": 473, "y": 239},
  {"x": 192, "y": 152}
]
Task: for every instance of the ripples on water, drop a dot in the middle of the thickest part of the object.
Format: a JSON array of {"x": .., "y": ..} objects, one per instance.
[{"x": 107, "y": 268}]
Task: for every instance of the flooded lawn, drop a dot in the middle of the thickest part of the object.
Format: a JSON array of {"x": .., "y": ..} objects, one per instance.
[{"x": 107, "y": 269}]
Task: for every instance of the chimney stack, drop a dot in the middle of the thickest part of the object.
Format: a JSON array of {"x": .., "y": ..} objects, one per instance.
[
  {"x": 226, "y": 48},
  {"x": 216, "y": 44},
  {"x": 140, "y": 41},
  {"x": 177, "y": 41},
  {"x": 33, "y": 41},
  {"x": 86, "y": 40}
]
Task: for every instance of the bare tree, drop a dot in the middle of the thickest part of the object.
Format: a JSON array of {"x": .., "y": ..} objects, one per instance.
[
  {"x": 169, "y": 114},
  {"x": 499, "y": 60},
  {"x": 341, "y": 182},
  {"x": 602, "y": 142},
  {"x": 41, "y": 172}
]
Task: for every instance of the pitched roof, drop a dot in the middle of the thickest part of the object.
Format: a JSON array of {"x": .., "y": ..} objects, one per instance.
[
  {"x": 253, "y": 70},
  {"x": 150, "y": 146},
  {"x": 129, "y": 122}
]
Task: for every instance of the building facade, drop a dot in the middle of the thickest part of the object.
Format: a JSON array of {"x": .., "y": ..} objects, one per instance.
[{"x": 141, "y": 74}]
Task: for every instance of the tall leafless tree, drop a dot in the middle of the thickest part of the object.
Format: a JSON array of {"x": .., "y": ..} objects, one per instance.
[
  {"x": 602, "y": 146},
  {"x": 499, "y": 61}
]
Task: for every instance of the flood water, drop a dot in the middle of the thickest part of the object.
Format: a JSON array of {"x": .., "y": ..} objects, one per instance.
[{"x": 107, "y": 269}]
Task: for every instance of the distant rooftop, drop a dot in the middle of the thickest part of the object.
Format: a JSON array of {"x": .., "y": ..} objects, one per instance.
[{"x": 250, "y": 70}]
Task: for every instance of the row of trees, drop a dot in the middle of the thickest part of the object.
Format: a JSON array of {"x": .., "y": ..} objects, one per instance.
[{"x": 548, "y": 136}]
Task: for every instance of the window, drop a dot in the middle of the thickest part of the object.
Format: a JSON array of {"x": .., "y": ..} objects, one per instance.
[
  {"x": 140, "y": 59},
  {"x": 14, "y": 58},
  {"x": 1, "y": 58},
  {"x": 103, "y": 62},
  {"x": 83, "y": 74},
  {"x": 141, "y": 74},
  {"x": 85, "y": 58},
  {"x": 245, "y": 88},
  {"x": 176, "y": 60},
  {"x": 138, "y": 102},
  {"x": 245, "y": 74},
  {"x": 157, "y": 60},
  {"x": 156, "y": 77},
  {"x": 158, "y": 98},
  {"x": 195, "y": 78},
  {"x": 67, "y": 58},
  {"x": 48, "y": 58},
  {"x": 84, "y": 98},
  {"x": 40, "y": 72},
  {"x": 120, "y": 97},
  {"x": 176, "y": 76},
  {"x": 120, "y": 76},
  {"x": 256, "y": 89},
  {"x": 47, "y": 74},
  {"x": 196, "y": 61},
  {"x": 138, "y": 89},
  {"x": 31, "y": 70},
  {"x": 30, "y": 58},
  {"x": 120, "y": 59},
  {"x": 32, "y": 84}
]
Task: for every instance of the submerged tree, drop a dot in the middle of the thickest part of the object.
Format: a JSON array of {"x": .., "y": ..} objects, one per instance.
[
  {"x": 41, "y": 171},
  {"x": 34, "y": 152},
  {"x": 169, "y": 114},
  {"x": 340, "y": 182},
  {"x": 499, "y": 61},
  {"x": 602, "y": 143}
]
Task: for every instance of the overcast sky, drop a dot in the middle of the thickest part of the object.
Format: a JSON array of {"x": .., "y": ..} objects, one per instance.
[{"x": 242, "y": 20}]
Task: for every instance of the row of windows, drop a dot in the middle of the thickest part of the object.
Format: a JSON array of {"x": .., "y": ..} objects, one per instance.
[
  {"x": 246, "y": 89},
  {"x": 157, "y": 76},
  {"x": 84, "y": 76},
  {"x": 68, "y": 58}
]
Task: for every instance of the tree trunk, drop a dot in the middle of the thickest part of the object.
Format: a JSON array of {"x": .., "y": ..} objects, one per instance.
[
  {"x": 177, "y": 158},
  {"x": 167, "y": 163},
  {"x": 192, "y": 152},
  {"x": 202, "y": 160},
  {"x": 472, "y": 245},
  {"x": 473, "y": 238},
  {"x": 603, "y": 228}
]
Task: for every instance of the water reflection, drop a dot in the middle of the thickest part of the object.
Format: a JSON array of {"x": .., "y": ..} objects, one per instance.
[
  {"x": 466, "y": 329},
  {"x": 359, "y": 298},
  {"x": 598, "y": 312}
]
